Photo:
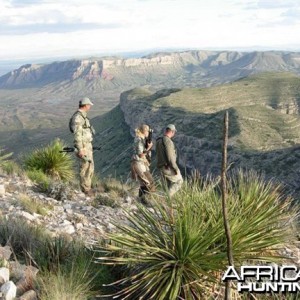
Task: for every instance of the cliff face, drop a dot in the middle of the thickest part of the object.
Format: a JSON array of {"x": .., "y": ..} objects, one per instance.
[{"x": 192, "y": 68}]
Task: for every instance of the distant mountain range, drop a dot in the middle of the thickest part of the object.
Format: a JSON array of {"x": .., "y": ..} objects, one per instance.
[
  {"x": 39, "y": 95},
  {"x": 189, "y": 68}
]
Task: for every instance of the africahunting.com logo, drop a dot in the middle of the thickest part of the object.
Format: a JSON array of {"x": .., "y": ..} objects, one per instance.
[{"x": 264, "y": 279}]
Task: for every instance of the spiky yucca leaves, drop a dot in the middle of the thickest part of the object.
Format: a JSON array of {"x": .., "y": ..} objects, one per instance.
[
  {"x": 51, "y": 162},
  {"x": 180, "y": 252},
  {"x": 262, "y": 218}
]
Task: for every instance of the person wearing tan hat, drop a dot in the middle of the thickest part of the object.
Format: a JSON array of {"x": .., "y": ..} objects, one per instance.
[
  {"x": 166, "y": 157},
  {"x": 83, "y": 137}
]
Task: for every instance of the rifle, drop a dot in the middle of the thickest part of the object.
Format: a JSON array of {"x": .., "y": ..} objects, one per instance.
[
  {"x": 148, "y": 141},
  {"x": 73, "y": 149}
]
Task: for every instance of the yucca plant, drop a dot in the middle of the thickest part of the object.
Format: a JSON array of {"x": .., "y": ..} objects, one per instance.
[
  {"x": 262, "y": 217},
  {"x": 51, "y": 161},
  {"x": 178, "y": 249}
]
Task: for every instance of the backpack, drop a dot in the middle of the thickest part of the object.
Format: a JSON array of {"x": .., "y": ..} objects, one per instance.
[{"x": 71, "y": 121}]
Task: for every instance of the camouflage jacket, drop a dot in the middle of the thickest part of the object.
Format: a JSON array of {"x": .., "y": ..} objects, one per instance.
[
  {"x": 166, "y": 153},
  {"x": 83, "y": 131}
]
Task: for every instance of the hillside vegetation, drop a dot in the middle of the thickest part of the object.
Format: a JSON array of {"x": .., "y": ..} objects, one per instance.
[{"x": 264, "y": 123}]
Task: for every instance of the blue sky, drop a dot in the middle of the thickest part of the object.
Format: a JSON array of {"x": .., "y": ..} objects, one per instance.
[{"x": 52, "y": 28}]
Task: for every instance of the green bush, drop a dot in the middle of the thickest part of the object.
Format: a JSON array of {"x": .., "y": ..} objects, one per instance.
[
  {"x": 51, "y": 162},
  {"x": 40, "y": 178},
  {"x": 178, "y": 251}
]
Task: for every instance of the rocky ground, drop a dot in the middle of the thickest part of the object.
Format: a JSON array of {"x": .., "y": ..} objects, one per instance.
[{"x": 77, "y": 216}]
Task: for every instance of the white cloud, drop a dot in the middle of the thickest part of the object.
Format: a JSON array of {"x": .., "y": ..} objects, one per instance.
[{"x": 72, "y": 27}]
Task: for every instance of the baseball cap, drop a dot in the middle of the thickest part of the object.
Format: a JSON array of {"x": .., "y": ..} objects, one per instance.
[
  {"x": 171, "y": 127},
  {"x": 85, "y": 101}
]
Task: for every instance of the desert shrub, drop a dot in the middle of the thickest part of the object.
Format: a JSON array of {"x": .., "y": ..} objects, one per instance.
[
  {"x": 69, "y": 271},
  {"x": 112, "y": 185},
  {"x": 51, "y": 161},
  {"x": 11, "y": 168},
  {"x": 33, "y": 205},
  {"x": 40, "y": 179},
  {"x": 106, "y": 200},
  {"x": 4, "y": 157},
  {"x": 74, "y": 285},
  {"x": 67, "y": 268},
  {"x": 59, "y": 190},
  {"x": 177, "y": 250},
  {"x": 24, "y": 239}
]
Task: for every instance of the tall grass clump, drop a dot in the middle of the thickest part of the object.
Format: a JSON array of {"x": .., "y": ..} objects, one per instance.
[
  {"x": 33, "y": 205},
  {"x": 51, "y": 161},
  {"x": 113, "y": 187},
  {"x": 69, "y": 271},
  {"x": 62, "y": 285},
  {"x": 40, "y": 178},
  {"x": 11, "y": 168},
  {"x": 24, "y": 239},
  {"x": 178, "y": 249},
  {"x": 4, "y": 157}
]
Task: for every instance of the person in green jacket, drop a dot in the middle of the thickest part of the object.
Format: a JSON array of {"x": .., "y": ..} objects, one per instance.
[{"x": 166, "y": 157}]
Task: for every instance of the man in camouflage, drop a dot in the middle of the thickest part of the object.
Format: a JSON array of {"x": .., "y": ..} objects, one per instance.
[
  {"x": 83, "y": 137},
  {"x": 166, "y": 160}
]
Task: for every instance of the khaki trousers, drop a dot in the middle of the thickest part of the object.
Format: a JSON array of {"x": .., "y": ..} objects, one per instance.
[
  {"x": 171, "y": 180},
  {"x": 140, "y": 171},
  {"x": 86, "y": 169}
]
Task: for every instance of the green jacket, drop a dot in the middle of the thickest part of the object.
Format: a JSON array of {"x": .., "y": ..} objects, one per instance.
[{"x": 166, "y": 153}]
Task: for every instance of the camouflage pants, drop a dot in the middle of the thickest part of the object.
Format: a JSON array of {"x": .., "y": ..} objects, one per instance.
[
  {"x": 86, "y": 168},
  {"x": 171, "y": 180}
]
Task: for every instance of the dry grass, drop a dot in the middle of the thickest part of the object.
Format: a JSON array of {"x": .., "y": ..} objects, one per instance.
[{"x": 32, "y": 205}]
